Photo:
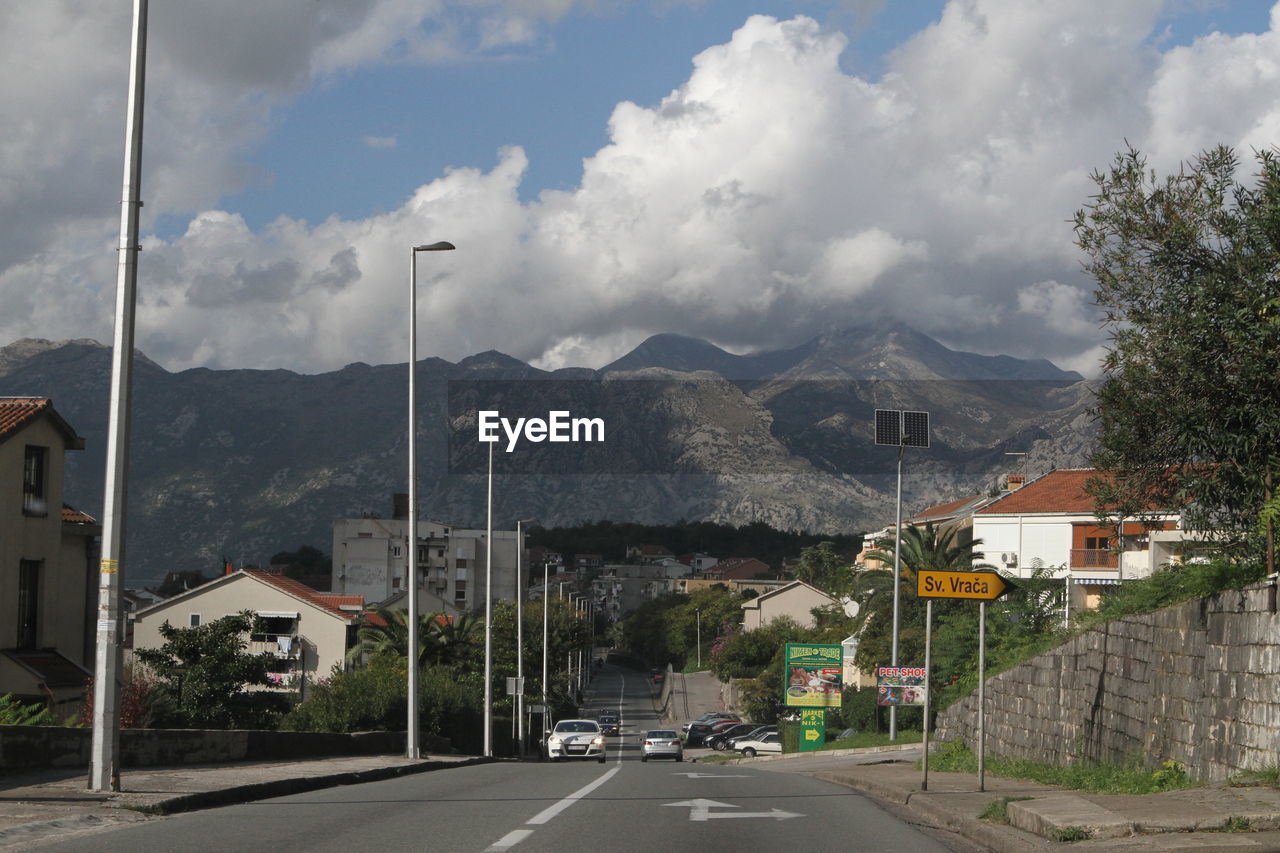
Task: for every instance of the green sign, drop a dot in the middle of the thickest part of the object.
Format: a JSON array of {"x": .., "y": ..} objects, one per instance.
[
  {"x": 813, "y": 728},
  {"x": 813, "y": 674}
]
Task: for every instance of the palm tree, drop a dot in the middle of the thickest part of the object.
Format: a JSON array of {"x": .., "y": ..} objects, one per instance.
[
  {"x": 387, "y": 631},
  {"x": 452, "y": 640}
]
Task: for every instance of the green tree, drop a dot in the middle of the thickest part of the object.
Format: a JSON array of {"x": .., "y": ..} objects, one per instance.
[
  {"x": 923, "y": 549},
  {"x": 203, "y": 672},
  {"x": 821, "y": 566},
  {"x": 1186, "y": 270}
]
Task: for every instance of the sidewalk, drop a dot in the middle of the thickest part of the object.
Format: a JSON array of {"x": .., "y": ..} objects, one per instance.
[
  {"x": 1176, "y": 820},
  {"x": 43, "y": 804}
]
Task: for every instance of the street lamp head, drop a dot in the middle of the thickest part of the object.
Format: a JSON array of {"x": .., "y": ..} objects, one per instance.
[{"x": 442, "y": 246}]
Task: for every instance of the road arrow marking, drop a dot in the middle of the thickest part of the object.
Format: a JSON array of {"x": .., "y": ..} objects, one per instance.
[
  {"x": 700, "y": 810},
  {"x": 714, "y": 775}
]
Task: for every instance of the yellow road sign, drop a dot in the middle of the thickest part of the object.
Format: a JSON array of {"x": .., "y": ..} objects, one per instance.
[{"x": 979, "y": 586}]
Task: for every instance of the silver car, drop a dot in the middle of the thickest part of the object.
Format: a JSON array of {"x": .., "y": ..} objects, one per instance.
[
  {"x": 576, "y": 739},
  {"x": 662, "y": 743}
]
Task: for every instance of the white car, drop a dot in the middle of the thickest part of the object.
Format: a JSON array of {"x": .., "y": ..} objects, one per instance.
[
  {"x": 576, "y": 739},
  {"x": 662, "y": 742},
  {"x": 770, "y": 744}
]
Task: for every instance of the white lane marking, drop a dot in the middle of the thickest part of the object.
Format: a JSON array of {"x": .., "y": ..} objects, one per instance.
[
  {"x": 714, "y": 775},
  {"x": 700, "y": 810},
  {"x": 551, "y": 811},
  {"x": 511, "y": 839}
]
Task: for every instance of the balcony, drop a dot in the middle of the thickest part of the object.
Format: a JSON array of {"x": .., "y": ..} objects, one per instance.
[
  {"x": 283, "y": 646},
  {"x": 1093, "y": 558}
]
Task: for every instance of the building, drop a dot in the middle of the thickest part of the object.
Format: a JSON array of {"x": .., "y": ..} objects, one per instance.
[
  {"x": 796, "y": 599},
  {"x": 739, "y": 569},
  {"x": 48, "y": 561},
  {"x": 1052, "y": 522},
  {"x": 369, "y": 561},
  {"x": 308, "y": 632}
]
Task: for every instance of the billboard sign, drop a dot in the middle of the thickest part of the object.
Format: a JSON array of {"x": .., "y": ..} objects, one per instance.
[
  {"x": 813, "y": 675},
  {"x": 901, "y": 685}
]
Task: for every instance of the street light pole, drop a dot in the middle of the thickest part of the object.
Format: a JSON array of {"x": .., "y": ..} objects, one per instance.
[
  {"x": 104, "y": 765},
  {"x": 546, "y": 590},
  {"x": 520, "y": 587},
  {"x": 698, "y": 613},
  {"x": 412, "y": 749},
  {"x": 488, "y": 618}
]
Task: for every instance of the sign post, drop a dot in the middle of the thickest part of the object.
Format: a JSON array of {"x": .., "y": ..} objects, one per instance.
[
  {"x": 813, "y": 728},
  {"x": 928, "y": 661},
  {"x": 982, "y": 586}
]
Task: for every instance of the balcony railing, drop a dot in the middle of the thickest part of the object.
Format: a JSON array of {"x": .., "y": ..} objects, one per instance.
[
  {"x": 280, "y": 645},
  {"x": 1093, "y": 558}
]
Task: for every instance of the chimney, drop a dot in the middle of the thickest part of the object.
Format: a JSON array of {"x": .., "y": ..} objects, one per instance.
[
  {"x": 228, "y": 568},
  {"x": 400, "y": 505},
  {"x": 1015, "y": 482}
]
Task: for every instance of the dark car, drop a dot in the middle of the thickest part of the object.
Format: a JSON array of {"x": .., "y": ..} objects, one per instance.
[
  {"x": 699, "y": 732},
  {"x": 718, "y": 740},
  {"x": 610, "y": 723}
]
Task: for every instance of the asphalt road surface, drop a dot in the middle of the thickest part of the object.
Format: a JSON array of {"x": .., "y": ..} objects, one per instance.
[{"x": 540, "y": 807}]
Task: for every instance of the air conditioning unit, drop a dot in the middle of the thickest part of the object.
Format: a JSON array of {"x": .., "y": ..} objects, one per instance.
[{"x": 1010, "y": 559}]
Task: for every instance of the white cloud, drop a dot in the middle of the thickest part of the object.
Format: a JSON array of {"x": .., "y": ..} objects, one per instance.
[
  {"x": 767, "y": 197},
  {"x": 380, "y": 142}
]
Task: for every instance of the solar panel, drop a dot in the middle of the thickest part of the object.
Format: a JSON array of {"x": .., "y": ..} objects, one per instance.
[
  {"x": 915, "y": 429},
  {"x": 902, "y": 429},
  {"x": 888, "y": 427}
]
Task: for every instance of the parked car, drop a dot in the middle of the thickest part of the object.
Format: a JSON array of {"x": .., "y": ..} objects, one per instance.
[
  {"x": 770, "y": 744},
  {"x": 718, "y": 740},
  {"x": 656, "y": 675},
  {"x": 699, "y": 732},
  {"x": 708, "y": 717},
  {"x": 754, "y": 734},
  {"x": 576, "y": 739},
  {"x": 662, "y": 743}
]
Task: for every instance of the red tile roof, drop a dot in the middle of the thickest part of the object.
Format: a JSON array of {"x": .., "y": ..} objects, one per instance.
[
  {"x": 71, "y": 515},
  {"x": 1060, "y": 491},
  {"x": 737, "y": 568},
  {"x": 17, "y": 412},
  {"x": 331, "y": 601}
]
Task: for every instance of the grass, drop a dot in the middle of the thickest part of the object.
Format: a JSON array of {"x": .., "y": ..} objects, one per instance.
[
  {"x": 998, "y": 811},
  {"x": 955, "y": 757},
  {"x": 1070, "y": 833},
  {"x": 1236, "y": 823},
  {"x": 1268, "y": 776},
  {"x": 866, "y": 739}
]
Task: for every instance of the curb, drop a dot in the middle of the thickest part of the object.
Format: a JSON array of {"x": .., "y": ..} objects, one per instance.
[
  {"x": 284, "y": 787},
  {"x": 994, "y": 837}
]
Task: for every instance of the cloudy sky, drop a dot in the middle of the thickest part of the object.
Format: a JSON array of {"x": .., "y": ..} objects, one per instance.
[{"x": 751, "y": 173}]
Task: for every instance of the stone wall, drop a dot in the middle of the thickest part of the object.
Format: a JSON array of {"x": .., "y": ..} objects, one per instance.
[
  {"x": 1194, "y": 683},
  {"x": 56, "y": 746}
]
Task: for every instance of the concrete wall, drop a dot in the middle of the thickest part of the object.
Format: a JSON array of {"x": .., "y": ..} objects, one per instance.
[
  {"x": 1194, "y": 683},
  {"x": 52, "y": 746}
]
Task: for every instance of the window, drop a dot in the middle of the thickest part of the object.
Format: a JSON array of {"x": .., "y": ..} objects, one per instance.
[
  {"x": 460, "y": 591},
  {"x": 195, "y": 620},
  {"x": 1097, "y": 543},
  {"x": 34, "y": 501},
  {"x": 422, "y": 553},
  {"x": 28, "y": 603},
  {"x": 461, "y": 562},
  {"x": 460, "y": 574}
]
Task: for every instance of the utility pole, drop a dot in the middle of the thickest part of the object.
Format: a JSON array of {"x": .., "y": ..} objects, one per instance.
[{"x": 104, "y": 759}]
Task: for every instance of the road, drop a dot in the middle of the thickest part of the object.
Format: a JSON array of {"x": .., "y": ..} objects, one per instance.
[{"x": 539, "y": 807}]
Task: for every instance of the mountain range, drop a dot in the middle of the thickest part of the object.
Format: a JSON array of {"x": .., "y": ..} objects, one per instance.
[{"x": 245, "y": 463}]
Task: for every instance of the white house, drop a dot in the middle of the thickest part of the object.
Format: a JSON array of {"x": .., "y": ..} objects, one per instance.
[
  {"x": 1052, "y": 522},
  {"x": 796, "y": 599},
  {"x": 308, "y": 632}
]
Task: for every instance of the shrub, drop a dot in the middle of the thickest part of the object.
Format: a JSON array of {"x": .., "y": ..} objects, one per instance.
[{"x": 14, "y": 713}]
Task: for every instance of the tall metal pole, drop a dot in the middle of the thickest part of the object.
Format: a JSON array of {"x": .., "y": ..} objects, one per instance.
[
  {"x": 546, "y": 601},
  {"x": 520, "y": 587},
  {"x": 411, "y": 745},
  {"x": 982, "y": 696},
  {"x": 897, "y": 589},
  {"x": 928, "y": 686},
  {"x": 411, "y": 749},
  {"x": 488, "y": 617},
  {"x": 698, "y": 613},
  {"x": 104, "y": 771}
]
